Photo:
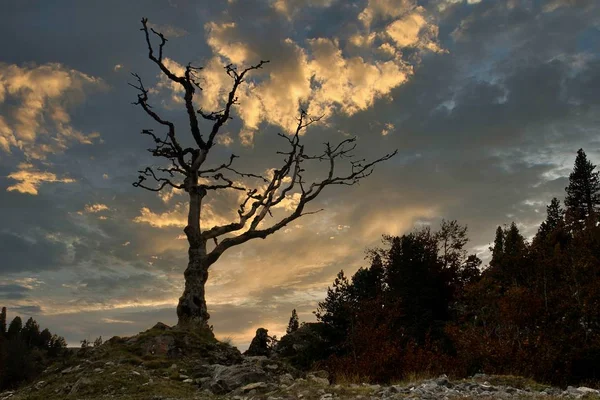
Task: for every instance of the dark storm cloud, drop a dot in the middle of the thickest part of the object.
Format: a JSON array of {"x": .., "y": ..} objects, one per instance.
[{"x": 13, "y": 292}]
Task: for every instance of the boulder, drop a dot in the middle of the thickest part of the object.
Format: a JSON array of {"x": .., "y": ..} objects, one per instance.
[
  {"x": 228, "y": 378},
  {"x": 260, "y": 344}
]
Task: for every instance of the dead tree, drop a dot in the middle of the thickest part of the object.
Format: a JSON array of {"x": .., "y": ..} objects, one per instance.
[{"x": 186, "y": 171}]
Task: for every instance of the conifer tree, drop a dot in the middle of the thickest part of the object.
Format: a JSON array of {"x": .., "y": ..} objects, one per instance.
[
  {"x": 554, "y": 218},
  {"x": 583, "y": 193},
  {"x": 31, "y": 333},
  {"x": 335, "y": 311},
  {"x": 45, "y": 339},
  {"x": 14, "y": 329},
  {"x": 498, "y": 248},
  {"x": 3, "y": 322},
  {"x": 294, "y": 323}
]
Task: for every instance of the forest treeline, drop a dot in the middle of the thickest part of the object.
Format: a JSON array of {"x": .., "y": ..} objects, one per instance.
[
  {"x": 426, "y": 306},
  {"x": 25, "y": 350}
]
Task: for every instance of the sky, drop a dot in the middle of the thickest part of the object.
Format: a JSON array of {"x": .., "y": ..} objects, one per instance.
[{"x": 487, "y": 103}]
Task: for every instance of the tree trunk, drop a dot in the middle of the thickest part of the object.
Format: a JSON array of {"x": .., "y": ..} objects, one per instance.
[{"x": 192, "y": 309}]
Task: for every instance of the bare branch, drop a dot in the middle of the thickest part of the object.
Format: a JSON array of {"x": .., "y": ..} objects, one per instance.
[
  {"x": 227, "y": 167},
  {"x": 221, "y": 117},
  {"x": 187, "y": 82},
  {"x": 291, "y": 172},
  {"x": 149, "y": 172}
]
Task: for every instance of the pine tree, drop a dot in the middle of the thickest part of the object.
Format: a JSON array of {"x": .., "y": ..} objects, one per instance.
[
  {"x": 3, "y": 322},
  {"x": 554, "y": 217},
  {"x": 45, "y": 339},
  {"x": 294, "y": 323},
  {"x": 452, "y": 238},
  {"x": 498, "y": 248},
  {"x": 31, "y": 333},
  {"x": 14, "y": 329},
  {"x": 583, "y": 193},
  {"x": 335, "y": 311}
]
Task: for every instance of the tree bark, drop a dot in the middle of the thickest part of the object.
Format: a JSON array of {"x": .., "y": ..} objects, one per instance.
[{"x": 192, "y": 310}]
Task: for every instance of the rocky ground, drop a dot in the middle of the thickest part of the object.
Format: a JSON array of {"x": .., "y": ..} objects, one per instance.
[{"x": 163, "y": 363}]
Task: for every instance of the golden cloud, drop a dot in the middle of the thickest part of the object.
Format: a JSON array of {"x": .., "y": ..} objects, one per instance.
[
  {"x": 29, "y": 179},
  {"x": 40, "y": 123},
  {"x": 95, "y": 208},
  {"x": 177, "y": 217}
]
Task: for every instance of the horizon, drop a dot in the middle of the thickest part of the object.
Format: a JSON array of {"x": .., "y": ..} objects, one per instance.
[{"x": 487, "y": 103}]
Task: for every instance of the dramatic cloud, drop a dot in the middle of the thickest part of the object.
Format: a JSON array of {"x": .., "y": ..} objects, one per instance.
[
  {"x": 486, "y": 101},
  {"x": 29, "y": 179},
  {"x": 34, "y": 101}
]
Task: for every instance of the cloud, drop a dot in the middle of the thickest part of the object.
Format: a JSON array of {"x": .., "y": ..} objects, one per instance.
[
  {"x": 30, "y": 179},
  {"x": 169, "y": 30},
  {"x": 34, "y": 101},
  {"x": 95, "y": 208},
  {"x": 177, "y": 217},
  {"x": 320, "y": 73},
  {"x": 13, "y": 292},
  {"x": 290, "y": 8}
]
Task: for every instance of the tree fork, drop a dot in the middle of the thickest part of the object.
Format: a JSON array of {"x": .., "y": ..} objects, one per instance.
[{"x": 259, "y": 201}]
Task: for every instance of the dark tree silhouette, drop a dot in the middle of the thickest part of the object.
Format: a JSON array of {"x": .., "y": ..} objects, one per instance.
[
  {"x": 583, "y": 193},
  {"x": 294, "y": 323},
  {"x": 3, "y": 322},
  {"x": 555, "y": 216},
  {"x": 498, "y": 248},
  {"x": 187, "y": 171},
  {"x": 14, "y": 329}
]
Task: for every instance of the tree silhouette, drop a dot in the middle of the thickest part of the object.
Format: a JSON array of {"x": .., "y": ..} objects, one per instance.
[
  {"x": 187, "y": 171},
  {"x": 14, "y": 329},
  {"x": 583, "y": 193},
  {"x": 294, "y": 323},
  {"x": 3, "y": 322}
]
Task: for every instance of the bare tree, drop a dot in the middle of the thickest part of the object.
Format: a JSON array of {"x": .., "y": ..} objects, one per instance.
[{"x": 186, "y": 171}]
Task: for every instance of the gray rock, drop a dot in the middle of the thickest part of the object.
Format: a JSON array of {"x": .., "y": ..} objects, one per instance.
[
  {"x": 253, "y": 386},
  {"x": 228, "y": 378},
  {"x": 586, "y": 390},
  {"x": 81, "y": 382}
]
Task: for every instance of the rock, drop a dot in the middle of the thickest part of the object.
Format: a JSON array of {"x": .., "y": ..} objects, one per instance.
[
  {"x": 228, "y": 378},
  {"x": 286, "y": 379},
  {"x": 70, "y": 370},
  {"x": 39, "y": 385},
  {"x": 320, "y": 374},
  {"x": 318, "y": 380},
  {"x": 161, "y": 327},
  {"x": 586, "y": 390},
  {"x": 253, "y": 386},
  {"x": 98, "y": 370},
  {"x": 135, "y": 373},
  {"x": 260, "y": 344},
  {"x": 81, "y": 382},
  {"x": 183, "y": 377},
  {"x": 188, "y": 380}
]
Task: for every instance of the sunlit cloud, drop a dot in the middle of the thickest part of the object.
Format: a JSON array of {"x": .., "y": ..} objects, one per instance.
[
  {"x": 177, "y": 217},
  {"x": 39, "y": 122},
  {"x": 95, "y": 208},
  {"x": 319, "y": 72},
  {"x": 30, "y": 179}
]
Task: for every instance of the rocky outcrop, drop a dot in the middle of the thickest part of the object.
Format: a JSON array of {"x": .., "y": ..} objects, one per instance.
[{"x": 260, "y": 345}]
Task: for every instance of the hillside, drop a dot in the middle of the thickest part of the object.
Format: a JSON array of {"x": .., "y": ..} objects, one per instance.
[{"x": 170, "y": 363}]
